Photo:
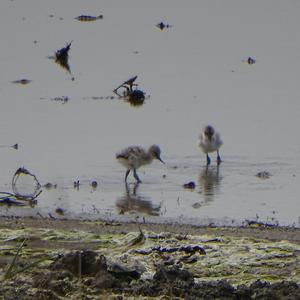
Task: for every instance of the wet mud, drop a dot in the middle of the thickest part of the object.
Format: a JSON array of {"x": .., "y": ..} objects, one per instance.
[{"x": 47, "y": 259}]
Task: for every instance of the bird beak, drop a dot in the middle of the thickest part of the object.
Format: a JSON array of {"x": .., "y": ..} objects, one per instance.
[{"x": 160, "y": 160}]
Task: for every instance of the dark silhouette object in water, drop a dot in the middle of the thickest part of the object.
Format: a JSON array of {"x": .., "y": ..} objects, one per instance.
[
  {"x": 162, "y": 25},
  {"x": 18, "y": 198},
  {"x": 251, "y": 60},
  {"x": 62, "y": 57},
  {"x": 61, "y": 99},
  {"x": 94, "y": 184},
  {"x": 22, "y": 81},
  {"x": 50, "y": 186},
  {"x": 15, "y": 146},
  {"x": 263, "y": 175},
  {"x": 76, "y": 184},
  {"x": 60, "y": 211},
  {"x": 135, "y": 96},
  {"x": 86, "y": 18},
  {"x": 36, "y": 188},
  {"x": 128, "y": 84},
  {"x": 9, "y": 199},
  {"x": 189, "y": 185}
]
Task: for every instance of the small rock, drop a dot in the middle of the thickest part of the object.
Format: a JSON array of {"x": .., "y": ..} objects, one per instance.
[
  {"x": 196, "y": 205},
  {"x": 263, "y": 175},
  {"x": 162, "y": 25},
  {"x": 190, "y": 185},
  {"x": 22, "y": 81},
  {"x": 85, "y": 18},
  {"x": 94, "y": 184},
  {"x": 60, "y": 211},
  {"x": 50, "y": 186},
  {"x": 76, "y": 184},
  {"x": 251, "y": 60}
]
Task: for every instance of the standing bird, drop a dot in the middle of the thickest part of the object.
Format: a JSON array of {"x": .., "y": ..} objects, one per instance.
[
  {"x": 134, "y": 157},
  {"x": 210, "y": 141}
]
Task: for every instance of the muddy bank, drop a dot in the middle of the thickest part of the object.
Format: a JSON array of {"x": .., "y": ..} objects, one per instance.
[
  {"x": 58, "y": 259},
  {"x": 272, "y": 233},
  {"x": 98, "y": 279}
]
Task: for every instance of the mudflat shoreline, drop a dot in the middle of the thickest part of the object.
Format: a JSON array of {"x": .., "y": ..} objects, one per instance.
[
  {"x": 76, "y": 259},
  {"x": 272, "y": 233}
]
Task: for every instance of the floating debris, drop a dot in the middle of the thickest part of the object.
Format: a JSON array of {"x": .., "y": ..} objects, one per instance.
[
  {"x": 50, "y": 186},
  {"x": 22, "y": 81},
  {"x": 15, "y": 146},
  {"x": 85, "y": 18},
  {"x": 128, "y": 84},
  {"x": 162, "y": 25},
  {"x": 190, "y": 185},
  {"x": 27, "y": 198},
  {"x": 263, "y": 175},
  {"x": 60, "y": 211},
  {"x": 62, "y": 57},
  {"x": 101, "y": 98},
  {"x": 33, "y": 185},
  {"x": 187, "y": 249},
  {"x": 76, "y": 184},
  {"x": 9, "y": 199},
  {"x": 134, "y": 97},
  {"x": 196, "y": 205},
  {"x": 62, "y": 99},
  {"x": 94, "y": 184},
  {"x": 251, "y": 60},
  {"x": 259, "y": 224}
]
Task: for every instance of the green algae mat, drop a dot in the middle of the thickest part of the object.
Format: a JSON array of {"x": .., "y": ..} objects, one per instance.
[{"x": 32, "y": 256}]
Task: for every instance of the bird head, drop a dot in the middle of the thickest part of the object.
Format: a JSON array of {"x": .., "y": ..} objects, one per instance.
[
  {"x": 209, "y": 132},
  {"x": 155, "y": 152}
]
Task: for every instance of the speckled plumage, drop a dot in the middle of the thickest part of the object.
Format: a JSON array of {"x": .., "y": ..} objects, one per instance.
[{"x": 134, "y": 157}]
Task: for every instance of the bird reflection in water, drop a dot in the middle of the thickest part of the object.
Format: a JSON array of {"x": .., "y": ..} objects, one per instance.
[
  {"x": 133, "y": 202},
  {"x": 210, "y": 180}
]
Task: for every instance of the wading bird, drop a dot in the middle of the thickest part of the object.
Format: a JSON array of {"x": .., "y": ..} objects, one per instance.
[
  {"x": 210, "y": 141},
  {"x": 134, "y": 157}
]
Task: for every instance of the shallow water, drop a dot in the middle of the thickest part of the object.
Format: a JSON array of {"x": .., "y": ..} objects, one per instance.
[{"x": 193, "y": 73}]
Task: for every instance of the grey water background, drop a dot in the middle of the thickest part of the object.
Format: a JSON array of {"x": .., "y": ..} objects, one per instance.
[{"x": 193, "y": 73}]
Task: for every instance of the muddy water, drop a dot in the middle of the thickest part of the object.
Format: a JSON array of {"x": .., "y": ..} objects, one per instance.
[{"x": 193, "y": 73}]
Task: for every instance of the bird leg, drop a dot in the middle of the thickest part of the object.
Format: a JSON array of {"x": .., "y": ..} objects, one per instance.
[
  {"x": 218, "y": 158},
  {"x": 127, "y": 173},
  {"x": 136, "y": 176},
  {"x": 207, "y": 160}
]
